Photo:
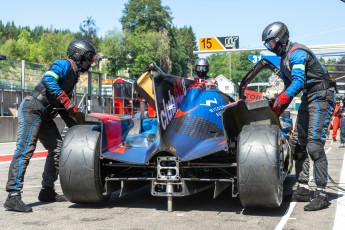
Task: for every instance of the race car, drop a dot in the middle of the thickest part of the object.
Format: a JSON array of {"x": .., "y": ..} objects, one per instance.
[{"x": 202, "y": 139}]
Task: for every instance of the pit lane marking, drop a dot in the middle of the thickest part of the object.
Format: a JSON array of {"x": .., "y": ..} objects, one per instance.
[
  {"x": 329, "y": 149},
  {"x": 339, "y": 220},
  {"x": 286, "y": 216},
  {"x": 37, "y": 155},
  {"x": 291, "y": 207},
  {"x": 39, "y": 186},
  {"x": 6, "y": 143}
]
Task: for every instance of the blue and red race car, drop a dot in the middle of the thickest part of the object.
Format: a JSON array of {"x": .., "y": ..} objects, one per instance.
[{"x": 200, "y": 139}]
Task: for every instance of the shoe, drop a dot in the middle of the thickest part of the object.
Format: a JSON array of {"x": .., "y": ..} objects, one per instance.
[
  {"x": 334, "y": 139},
  {"x": 342, "y": 145},
  {"x": 319, "y": 202},
  {"x": 14, "y": 203},
  {"x": 48, "y": 194},
  {"x": 301, "y": 194}
]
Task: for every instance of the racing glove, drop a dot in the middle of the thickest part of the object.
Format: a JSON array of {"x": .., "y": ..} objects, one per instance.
[
  {"x": 79, "y": 117},
  {"x": 281, "y": 103},
  {"x": 66, "y": 102}
]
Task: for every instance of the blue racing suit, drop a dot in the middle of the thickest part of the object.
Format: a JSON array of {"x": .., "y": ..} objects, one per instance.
[
  {"x": 303, "y": 72},
  {"x": 35, "y": 121}
]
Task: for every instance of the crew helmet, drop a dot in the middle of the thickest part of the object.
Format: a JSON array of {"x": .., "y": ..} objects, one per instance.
[
  {"x": 276, "y": 37},
  {"x": 83, "y": 53},
  {"x": 201, "y": 67}
]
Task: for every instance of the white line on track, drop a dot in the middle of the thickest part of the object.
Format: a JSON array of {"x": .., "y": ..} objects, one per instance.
[
  {"x": 286, "y": 216},
  {"x": 38, "y": 186},
  {"x": 329, "y": 149},
  {"x": 6, "y": 143},
  {"x": 33, "y": 187},
  {"x": 32, "y": 159},
  {"x": 288, "y": 212},
  {"x": 339, "y": 220}
]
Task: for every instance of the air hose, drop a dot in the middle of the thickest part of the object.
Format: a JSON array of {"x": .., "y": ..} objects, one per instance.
[{"x": 335, "y": 183}]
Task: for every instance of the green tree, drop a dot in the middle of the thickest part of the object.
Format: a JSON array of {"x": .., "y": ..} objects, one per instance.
[
  {"x": 23, "y": 44},
  {"x": 53, "y": 46},
  {"x": 34, "y": 52},
  {"x": 145, "y": 15},
  {"x": 144, "y": 48},
  {"x": 340, "y": 67},
  {"x": 182, "y": 46},
  {"x": 88, "y": 31},
  {"x": 240, "y": 65},
  {"x": 219, "y": 65},
  {"x": 8, "y": 40},
  {"x": 2, "y": 33},
  {"x": 328, "y": 63},
  {"x": 11, "y": 31},
  {"x": 233, "y": 66},
  {"x": 37, "y": 33},
  {"x": 10, "y": 49},
  {"x": 147, "y": 26},
  {"x": 112, "y": 48}
]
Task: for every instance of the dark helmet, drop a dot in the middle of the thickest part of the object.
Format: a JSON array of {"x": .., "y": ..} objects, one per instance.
[
  {"x": 276, "y": 37},
  {"x": 83, "y": 53},
  {"x": 201, "y": 67}
]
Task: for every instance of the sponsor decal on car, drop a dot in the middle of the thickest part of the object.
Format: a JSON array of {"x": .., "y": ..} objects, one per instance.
[{"x": 171, "y": 106}]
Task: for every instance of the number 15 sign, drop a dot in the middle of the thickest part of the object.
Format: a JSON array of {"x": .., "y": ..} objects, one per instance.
[{"x": 219, "y": 43}]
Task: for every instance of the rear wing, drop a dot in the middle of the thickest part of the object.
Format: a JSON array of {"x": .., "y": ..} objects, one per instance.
[
  {"x": 144, "y": 87},
  {"x": 166, "y": 92}
]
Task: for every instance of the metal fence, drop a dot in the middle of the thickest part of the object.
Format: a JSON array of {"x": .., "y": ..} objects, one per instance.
[{"x": 18, "y": 79}]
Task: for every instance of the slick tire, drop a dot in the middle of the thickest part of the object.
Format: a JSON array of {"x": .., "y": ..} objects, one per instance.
[
  {"x": 260, "y": 166},
  {"x": 80, "y": 170}
]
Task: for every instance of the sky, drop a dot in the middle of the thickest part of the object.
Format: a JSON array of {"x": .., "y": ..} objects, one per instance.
[{"x": 310, "y": 22}]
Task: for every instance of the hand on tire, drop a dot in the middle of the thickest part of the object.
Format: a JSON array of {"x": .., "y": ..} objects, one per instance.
[
  {"x": 271, "y": 101},
  {"x": 79, "y": 117},
  {"x": 281, "y": 103},
  {"x": 66, "y": 102}
]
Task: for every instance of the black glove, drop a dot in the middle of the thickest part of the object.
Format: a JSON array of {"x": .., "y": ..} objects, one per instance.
[
  {"x": 79, "y": 117},
  {"x": 271, "y": 101},
  {"x": 67, "y": 103}
]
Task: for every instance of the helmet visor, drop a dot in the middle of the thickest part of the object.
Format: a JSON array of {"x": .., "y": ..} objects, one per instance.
[
  {"x": 201, "y": 68},
  {"x": 270, "y": 44},
  {"x": 90, "y": 57}
]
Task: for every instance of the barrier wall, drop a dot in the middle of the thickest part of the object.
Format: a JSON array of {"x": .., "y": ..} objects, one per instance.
[{"x": 9, "y": 126}]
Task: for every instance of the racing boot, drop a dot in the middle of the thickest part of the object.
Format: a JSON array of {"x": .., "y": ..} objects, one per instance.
[
  {"x": 301, "y": 194},
  {"x": 319, "y": 202},
  {"x": 48, "y": 194},
  {"x": 14, "y": 203}
]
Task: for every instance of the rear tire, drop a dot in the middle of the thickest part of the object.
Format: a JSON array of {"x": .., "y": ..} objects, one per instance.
[
  {"x": 80, "y": 169},
  {"x": 260, "y": 166}
]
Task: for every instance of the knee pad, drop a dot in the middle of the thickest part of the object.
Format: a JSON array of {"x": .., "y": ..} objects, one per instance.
[
  {"x": 299, "y": 152},
  {"x": 315, "y": 151},
  {"x": 321, "y": 159}
]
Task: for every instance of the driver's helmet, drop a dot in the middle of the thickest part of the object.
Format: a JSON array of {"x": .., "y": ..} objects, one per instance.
[
  {"x": 201, "y": 67},
  {"x": 276, "y": 37},
  {"x": 83, "y": 53}
]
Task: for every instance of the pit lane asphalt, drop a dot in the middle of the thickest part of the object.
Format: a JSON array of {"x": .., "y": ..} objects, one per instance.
[{"x": 140, "y": 210}]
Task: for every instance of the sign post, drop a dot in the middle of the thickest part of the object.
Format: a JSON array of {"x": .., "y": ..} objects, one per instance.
[
  {"x": 272, "y": 58},
  {"x": 219, "y": 43}
]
